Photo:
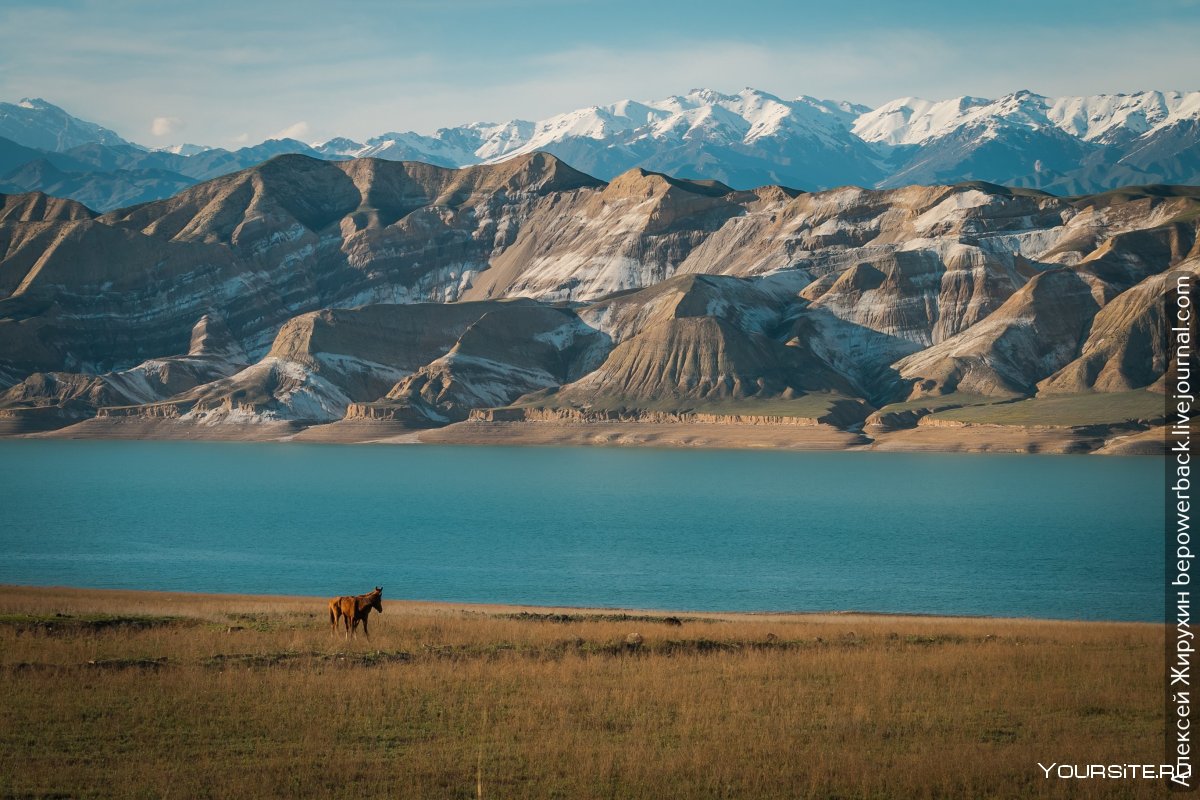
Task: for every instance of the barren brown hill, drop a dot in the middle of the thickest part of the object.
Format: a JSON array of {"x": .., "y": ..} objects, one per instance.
[{"x": 333, "y": 289}]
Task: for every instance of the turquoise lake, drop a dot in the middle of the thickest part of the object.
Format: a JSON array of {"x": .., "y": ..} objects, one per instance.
[{"x": 1072, "y": 537}]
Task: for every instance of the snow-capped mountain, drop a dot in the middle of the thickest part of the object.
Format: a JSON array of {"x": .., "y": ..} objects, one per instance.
[
  {"x": 748, "y": 138},
  {"x": 1108, "y": 119},
  {"x": 185, "y": 149},
  {"x": 1066, "y": 145},
  {"x": 702, "y": 114},
  {"x": 35, "y": 123}
]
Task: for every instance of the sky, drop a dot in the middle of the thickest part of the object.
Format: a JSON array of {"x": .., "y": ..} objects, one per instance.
[{"x": 230, "y": 72}]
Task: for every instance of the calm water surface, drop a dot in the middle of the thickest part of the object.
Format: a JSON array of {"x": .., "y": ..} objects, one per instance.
[{"x": 1044, "y": 536}]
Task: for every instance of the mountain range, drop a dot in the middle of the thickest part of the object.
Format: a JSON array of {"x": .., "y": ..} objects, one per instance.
[
  {"x": 302, "y": 294},
  {"x": 1066, "y": 145}
]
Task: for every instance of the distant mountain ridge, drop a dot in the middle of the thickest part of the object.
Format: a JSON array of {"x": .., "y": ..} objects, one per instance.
[
  {"x": 36, "y": 123},
  {"x": 1065, "y": 145}
]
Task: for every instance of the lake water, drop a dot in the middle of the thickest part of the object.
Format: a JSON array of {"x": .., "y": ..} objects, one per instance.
[{"x": 1044, "y": 536}]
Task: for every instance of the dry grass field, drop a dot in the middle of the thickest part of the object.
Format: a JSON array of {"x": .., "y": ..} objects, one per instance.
[{"x": 123, "y": 694}]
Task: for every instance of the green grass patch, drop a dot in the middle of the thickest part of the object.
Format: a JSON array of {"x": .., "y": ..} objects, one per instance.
[
  {"x": 1189, "y": 214},
  {"x": 945, "y": 402},
  {"x": 814, "y": 405},
  {"x": 1129, "y": 194},
  {"x": 1065, "y": 410}
]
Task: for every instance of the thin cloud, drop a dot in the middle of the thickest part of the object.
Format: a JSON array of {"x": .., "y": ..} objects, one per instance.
[
  {"x": 165, "y": 126},
  {"x": 297, "y": 130}
]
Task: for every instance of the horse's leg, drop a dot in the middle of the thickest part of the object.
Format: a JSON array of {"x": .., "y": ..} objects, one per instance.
[{"x": 365, "y": 631}]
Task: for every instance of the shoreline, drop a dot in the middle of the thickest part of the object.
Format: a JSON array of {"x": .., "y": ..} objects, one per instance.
[
  {"x": 220, "y": 601},
  {"x": 956, "y": 438}
]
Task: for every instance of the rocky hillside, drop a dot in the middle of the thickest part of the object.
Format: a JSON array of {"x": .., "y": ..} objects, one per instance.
[{"x": 308, "y": 291}]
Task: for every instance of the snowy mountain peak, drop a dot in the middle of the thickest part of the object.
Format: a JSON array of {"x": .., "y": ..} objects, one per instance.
[
  {"x": 750, "y": 138},
  {"x": 34, "y": 122},
  {"x": 184, "y": 149},
  {"x": 912, "y": 120},
  {"x": 1120, "y": 117},
  {"x": 338, "y": 146},
  {"x": 1106, "y": 119},
  {"x": 708, "y": 96}
]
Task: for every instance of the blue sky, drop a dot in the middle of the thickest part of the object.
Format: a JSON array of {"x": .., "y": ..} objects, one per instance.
[{"x": 224, "y": 72}]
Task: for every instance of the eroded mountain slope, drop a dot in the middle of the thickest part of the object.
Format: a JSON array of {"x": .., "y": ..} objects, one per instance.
[{"x": 328, "y": 289}]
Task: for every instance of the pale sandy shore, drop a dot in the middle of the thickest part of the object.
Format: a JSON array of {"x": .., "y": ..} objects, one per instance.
[
  {"x": 966, "y": 438},
  {"x": 15, "y": 599},
  {"x": 973, "y": 438},
  {"x": 649, "y": 434},
  {"x": 170, "y": 429},
  {"x": 1020, "y": 439},
  {"x": 43, "y": 600}
]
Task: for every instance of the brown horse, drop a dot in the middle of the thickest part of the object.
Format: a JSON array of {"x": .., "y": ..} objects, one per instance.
[{"x": 355, "y": 610}]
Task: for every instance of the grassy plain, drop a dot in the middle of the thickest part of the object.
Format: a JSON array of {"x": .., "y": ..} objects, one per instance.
[
  {"x": 123, "y": 694},
  {"x": 1065, "y": 410}
]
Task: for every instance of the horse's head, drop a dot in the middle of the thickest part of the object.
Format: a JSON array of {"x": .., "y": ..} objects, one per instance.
[{"x": 377, "y": 599}]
